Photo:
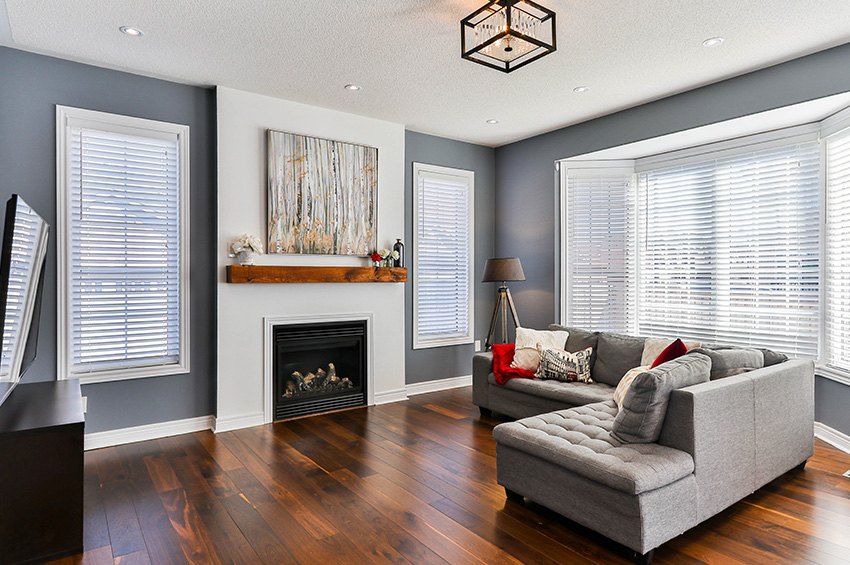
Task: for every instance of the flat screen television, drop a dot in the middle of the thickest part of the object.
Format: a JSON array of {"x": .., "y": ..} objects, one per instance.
[{"x": 21, "y": 284}]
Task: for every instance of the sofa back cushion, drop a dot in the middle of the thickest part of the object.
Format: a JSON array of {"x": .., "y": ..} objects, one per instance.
[
  {"x": 645, "y": 403},
  {"x": 728, "y": 362},
  {"x": 770, "y": 357},
  {"x": 616, "y": 354},
  {"x": 578, "y": 340}
]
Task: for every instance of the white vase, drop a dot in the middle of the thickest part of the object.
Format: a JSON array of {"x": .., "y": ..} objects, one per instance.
[{"x": 246, "y": 257}]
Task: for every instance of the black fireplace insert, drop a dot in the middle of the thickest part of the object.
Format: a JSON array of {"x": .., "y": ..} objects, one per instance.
[{"x": 319, "y": 367}]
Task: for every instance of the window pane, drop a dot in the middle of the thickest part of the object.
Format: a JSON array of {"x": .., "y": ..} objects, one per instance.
[
  {"x": 729, "y": 250},
  {"x": 837, "y": 252},
  {"x": 125, "y": 250},
  {"x": 600, "y": 249},
  {"x": 443, "y": 262}
]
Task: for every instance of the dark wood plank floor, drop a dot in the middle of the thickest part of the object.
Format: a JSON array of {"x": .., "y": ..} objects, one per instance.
[{"x": 411, "y": 482}]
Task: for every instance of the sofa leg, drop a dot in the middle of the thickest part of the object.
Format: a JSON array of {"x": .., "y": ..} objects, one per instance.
[
  {"x": 802, "y": 465},
  {"x": 485, "y": 412},
  {"x": 513, "y": 496},
  {"x": 643, "y": 558}
]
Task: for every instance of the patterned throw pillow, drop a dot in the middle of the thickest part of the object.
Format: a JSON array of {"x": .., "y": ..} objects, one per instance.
[
  {"x": 564, "y": 366},
  {"x": 626, "y": 382}
]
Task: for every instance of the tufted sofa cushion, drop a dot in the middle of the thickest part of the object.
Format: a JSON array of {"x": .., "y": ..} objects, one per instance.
[
  {"x": 571, "y": 393},
  {"x": 579, "y": 439}
]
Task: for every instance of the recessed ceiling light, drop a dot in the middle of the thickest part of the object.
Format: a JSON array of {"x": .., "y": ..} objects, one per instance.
[
  {"x": 131, "y": 31},
  {"x": 712, "y": 42},
  {"x": 581, "y": 89},
  {"x": 352, "y": 87},
  {"x": 492, "y": 121}
]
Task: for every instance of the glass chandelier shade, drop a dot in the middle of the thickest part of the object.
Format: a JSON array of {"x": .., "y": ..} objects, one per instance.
[{"x": 508, "y": 34}]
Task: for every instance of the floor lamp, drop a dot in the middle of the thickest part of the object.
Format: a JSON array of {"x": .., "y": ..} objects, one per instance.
[{"x": 502, "y": 270}]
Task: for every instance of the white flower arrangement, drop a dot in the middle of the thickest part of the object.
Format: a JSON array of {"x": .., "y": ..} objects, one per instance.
[{"x": 246, "y": 242}]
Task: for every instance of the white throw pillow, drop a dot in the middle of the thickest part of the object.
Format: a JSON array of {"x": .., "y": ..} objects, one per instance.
[
  {"x": 526, "y": 355},
  {"x": 652, "y": 348},
  {"x": 626, "y": 382}
]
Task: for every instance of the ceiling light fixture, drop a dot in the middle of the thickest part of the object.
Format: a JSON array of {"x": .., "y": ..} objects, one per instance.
[
  {"x": 492, "y": 121},
  {"x": 352, "y": 87},
  {"x": 712, "y": 42},
  {"x": 131, "y": 31},
  {"x": 581, "y": 89},
  {"x": 507, "y": 34}
]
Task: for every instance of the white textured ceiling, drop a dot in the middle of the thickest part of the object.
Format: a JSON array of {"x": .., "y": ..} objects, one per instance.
[{"x": 405, "y": 53}]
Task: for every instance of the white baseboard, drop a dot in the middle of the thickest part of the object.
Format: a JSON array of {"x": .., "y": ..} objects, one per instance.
[
  {"x": 238, "y": 422},
  {"x": 121, "y": 436},
  {"x": 388, "y": 396},
  {"x": 438, "y": 385},
  {"x": 832, "y": 437}
]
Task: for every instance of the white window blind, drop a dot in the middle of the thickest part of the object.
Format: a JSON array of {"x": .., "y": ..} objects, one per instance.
[
  {"x": 599, "y": 248},
  {"x": 26, "y": 241},
  {"x": 729, "y": 249},
  {"x": 125, "y": 283},
  {"x": 443, "y": 256},
  {"x": 837, "y": 252}
]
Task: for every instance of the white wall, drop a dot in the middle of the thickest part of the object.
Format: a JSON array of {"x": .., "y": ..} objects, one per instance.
[{"x": 243, "y": 119}]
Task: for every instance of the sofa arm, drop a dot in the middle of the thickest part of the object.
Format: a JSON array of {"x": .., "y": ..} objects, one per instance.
[
  {"x": 743, "y": 431},
  {"x": 714, "y": 422},
  {"x": 482, "y": 366}
]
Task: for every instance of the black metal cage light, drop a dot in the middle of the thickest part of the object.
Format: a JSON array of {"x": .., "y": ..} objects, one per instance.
[{"x": 508, "y": 34}]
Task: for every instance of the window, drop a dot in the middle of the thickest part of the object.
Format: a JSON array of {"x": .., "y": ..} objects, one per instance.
[
  {"x": 599, "y": 248},
  {"x": 719, "y": 243},
  {"x": 122, "y": 202},
  {"x": 729, "y": 249},
  {"x": 836, "y": 353},
  {"x": 442, "y": 256}
]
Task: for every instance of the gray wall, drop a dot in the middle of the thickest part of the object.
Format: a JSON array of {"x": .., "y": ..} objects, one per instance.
[
  {"x": 453, "y": 361},
  {"x": 832, "y": 404},
  {"x": 30, "y": 87}
]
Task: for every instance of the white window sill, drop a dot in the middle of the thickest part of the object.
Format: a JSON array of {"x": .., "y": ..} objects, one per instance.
[
  {"x": 833, "y": 374},
  {"x": 112, "y": 375},
  {"x": 442, "y": 342}
]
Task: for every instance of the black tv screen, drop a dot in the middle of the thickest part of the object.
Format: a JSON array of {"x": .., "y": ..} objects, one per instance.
[{"x": 22, "y": 263}]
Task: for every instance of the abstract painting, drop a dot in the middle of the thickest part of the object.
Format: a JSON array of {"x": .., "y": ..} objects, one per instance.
[{"x": 322, "y": 195}]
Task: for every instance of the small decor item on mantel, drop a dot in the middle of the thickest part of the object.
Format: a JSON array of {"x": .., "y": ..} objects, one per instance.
[
  {"x": 376, "y": 259},
  {"x": 246, "y": 246},
  {"x": 398, "y": 248},
  {"x": 388, "y": 258}
]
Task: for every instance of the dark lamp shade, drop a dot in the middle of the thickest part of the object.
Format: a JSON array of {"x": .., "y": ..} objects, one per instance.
[{"x": 503, "y": 269}]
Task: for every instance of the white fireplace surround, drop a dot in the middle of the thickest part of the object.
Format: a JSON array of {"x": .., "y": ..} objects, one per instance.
[{"x": 269, "y": 323}]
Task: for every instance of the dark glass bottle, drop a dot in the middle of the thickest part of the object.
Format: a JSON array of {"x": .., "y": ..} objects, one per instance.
[{"x": 399, "y": 246}]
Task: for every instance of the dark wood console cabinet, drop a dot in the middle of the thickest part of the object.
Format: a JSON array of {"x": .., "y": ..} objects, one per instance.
[{"x": 41, "y": 472}]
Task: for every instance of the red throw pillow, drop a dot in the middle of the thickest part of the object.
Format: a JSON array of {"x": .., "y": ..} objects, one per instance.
[
  {"x": 503, "y": 356},
  {"x": 672, "y": 351}
]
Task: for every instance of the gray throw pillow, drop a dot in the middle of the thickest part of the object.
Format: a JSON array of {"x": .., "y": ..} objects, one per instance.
[
  {"x": 771, "y": 357},
  {"x": 579, "y": 340},
  {"x": 734, "y": 361},
  {"x": 616, "y": 355},
  {"x": 645, "y": 404}
]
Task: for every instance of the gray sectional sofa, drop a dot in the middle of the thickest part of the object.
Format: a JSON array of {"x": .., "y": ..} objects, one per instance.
[{"x": 720, "y": 440}]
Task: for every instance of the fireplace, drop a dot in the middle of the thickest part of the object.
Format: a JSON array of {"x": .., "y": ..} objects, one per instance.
[{"x": 318, "y": 367}]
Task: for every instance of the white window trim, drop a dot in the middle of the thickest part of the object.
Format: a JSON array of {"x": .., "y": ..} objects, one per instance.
[
  {"x": 66, "y": 117},
  {"x": 470, "y": 178}
]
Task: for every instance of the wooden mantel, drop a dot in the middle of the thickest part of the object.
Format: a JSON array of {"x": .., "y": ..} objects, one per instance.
[{"x": 288, "y": 274}]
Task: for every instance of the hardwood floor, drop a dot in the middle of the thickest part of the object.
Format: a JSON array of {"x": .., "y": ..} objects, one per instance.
[{"x": 411, "y": 482}]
